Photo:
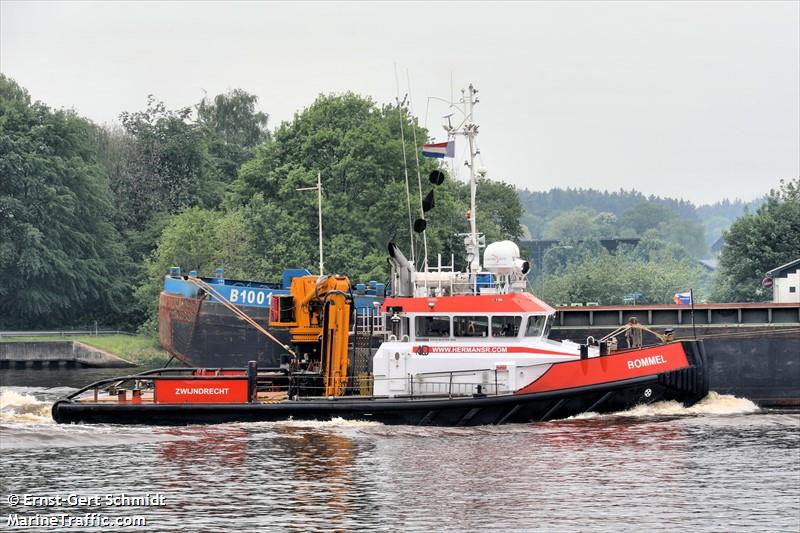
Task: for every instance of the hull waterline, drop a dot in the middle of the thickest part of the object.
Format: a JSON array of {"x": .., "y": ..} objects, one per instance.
[{"x": 688, "y": 386}]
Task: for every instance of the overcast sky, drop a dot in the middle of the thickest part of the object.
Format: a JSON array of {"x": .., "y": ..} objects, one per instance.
[{"x": 694, "y": 100}]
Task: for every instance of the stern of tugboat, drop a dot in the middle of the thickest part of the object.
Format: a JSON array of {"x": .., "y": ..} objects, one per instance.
[{"x": 690, "y": 382}]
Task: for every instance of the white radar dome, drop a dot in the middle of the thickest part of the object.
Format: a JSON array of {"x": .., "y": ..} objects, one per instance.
[{"x": 503, "y": 257}]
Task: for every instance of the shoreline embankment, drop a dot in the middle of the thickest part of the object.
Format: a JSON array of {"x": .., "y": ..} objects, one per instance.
[
  {"x": 79, "y": 351},
  {"x": 57, "y": 353}
]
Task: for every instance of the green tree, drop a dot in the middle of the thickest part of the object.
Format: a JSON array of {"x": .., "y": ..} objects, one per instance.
[
  {"x": 645, "y": 216},
  {"x": 565, "y": 256},
  {"x": 653, "y": 248},
  {"x": 61, "y": 261},
  {"x": 581, "y": 224},
  {"x": 356, "y": 147},
  {"x": 166, "y": 170},
  {"x": 607, "y": 278},
  {"x": 202, "y": 240},
  {"x": 233, "y": 128},
  {"x": 233, "y": 117},
  {"x": 574, "y": 225},
  {"x": 499, "y": 210},
  {"x": 757, "y": 243},
  {"x": 687, "y": 234}
]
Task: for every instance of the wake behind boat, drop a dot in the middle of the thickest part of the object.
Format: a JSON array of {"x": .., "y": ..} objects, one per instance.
[{"x": 457, "y": 348}]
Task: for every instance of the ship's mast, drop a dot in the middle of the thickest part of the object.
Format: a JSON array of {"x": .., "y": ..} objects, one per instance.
[
  {"x": 318, "y": 188},
  {"x": 470, "y": 130}
]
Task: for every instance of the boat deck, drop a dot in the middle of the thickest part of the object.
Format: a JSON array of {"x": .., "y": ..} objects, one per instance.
[{"x": 147, "y": 397}]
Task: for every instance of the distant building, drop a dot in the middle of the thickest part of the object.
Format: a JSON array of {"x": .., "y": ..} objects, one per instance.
[
  {"x": 716, "y": 247},
  {"x": 709, "y": 264},
  {"x": 786, "y": 282}
]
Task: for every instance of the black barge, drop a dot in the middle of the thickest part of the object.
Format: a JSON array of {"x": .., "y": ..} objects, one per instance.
[{"x": 753, "y": 349}]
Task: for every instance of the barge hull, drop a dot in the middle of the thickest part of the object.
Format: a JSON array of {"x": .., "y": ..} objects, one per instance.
[
  {"x": 753, "y": 348},
  {"x": 759, "y": 364},
  {"x": 205, "y": 334}
]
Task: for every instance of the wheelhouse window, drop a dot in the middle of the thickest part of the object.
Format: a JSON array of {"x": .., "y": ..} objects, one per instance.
[
  {"x": 535, "y": 326},
  {"x": 432, "y": 326},
  {"x": 505, "y": 326},
  {"x": 471, "y": 326}
]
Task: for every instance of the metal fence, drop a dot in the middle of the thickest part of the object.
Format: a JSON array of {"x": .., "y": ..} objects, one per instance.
[{"x": 64, "y": 333}]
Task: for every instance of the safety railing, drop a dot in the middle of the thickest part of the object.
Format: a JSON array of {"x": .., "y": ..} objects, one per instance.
[
  {"x": 307, "y": 386},
  {"x": 371, "y": 323},
  {"x": 452, "y": 383},
  {"x": 63, "y": 333},
  {"x": 457, "y": 286}
]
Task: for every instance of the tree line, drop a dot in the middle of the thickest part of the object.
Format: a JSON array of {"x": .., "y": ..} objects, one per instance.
[
  {"x": 92, "y": 217},
  {"x": 758, "y": 236},
  {"x": 574, "y": 213}
]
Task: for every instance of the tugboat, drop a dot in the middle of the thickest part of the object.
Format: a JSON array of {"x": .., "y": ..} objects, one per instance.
[{"x": 457, "y": 348}]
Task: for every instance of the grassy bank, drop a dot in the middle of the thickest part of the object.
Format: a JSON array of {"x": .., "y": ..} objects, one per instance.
[{"x": 139, "y": 349}]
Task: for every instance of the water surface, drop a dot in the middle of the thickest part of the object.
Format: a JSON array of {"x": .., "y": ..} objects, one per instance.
[{"x": 722, "y": 465}]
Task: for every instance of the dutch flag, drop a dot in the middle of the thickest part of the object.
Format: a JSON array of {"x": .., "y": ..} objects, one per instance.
[
  {"x": 683, "y": 298},
  {"x": 439, "y": 150}
]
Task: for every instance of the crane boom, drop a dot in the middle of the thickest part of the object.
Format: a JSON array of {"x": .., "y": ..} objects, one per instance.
[{"x": 317, "y": 315}]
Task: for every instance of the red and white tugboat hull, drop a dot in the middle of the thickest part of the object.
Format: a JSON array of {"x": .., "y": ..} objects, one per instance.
[{"x": 604, "y": 384}]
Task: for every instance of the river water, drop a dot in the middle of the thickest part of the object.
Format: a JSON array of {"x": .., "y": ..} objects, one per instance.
[{"x": 722, "y": 465}]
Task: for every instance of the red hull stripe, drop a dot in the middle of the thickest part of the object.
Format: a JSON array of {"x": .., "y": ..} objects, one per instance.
[
  {"x": 617, "y": 367},
  {"x": 486, "y": 349},
  {"x": 483, "y": 304}
]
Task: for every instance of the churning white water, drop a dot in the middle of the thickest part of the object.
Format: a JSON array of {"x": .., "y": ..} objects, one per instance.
[
  {"x": 17, "y": 406},
  {"x": 713, "y": 404},
  {"x": 720, "y": 465}
]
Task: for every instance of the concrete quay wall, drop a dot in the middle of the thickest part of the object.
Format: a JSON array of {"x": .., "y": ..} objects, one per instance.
[{"x": 36, "y": 354}]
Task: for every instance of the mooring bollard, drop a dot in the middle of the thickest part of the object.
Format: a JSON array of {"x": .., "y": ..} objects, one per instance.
[{"x": 252, "y": 380}]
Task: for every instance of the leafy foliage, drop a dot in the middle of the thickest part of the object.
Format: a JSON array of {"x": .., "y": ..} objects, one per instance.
[
  {"x": 545, "y": 216},
  {"x": 647, "y": 220},
  {"x": 580, "y": 224},
  {"x": 232, "y": 128},
  {"x": 757, "y": 243},
  {"x": 541, "y": 206},
  {"x": 356, "y": 147},
  {"x": 605, "y": 278},
  {"x": 165, "y": 170},
  {"x": 61, "y": 260}
]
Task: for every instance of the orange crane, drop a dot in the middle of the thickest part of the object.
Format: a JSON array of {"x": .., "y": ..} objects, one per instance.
[{"x": 317, "y": 314}]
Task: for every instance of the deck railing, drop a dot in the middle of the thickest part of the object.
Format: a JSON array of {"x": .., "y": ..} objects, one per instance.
[
  {"x": 372, "y": 323},
  {"x": 309, "y": 386}
]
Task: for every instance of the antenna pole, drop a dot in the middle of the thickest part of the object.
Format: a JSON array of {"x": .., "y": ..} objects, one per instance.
[
  {"x": 405, "y": 163},
  {"x": 470, "y": 131},
  {"x": 319, "y": 213},
  {"x": 419, "y": 178}
]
